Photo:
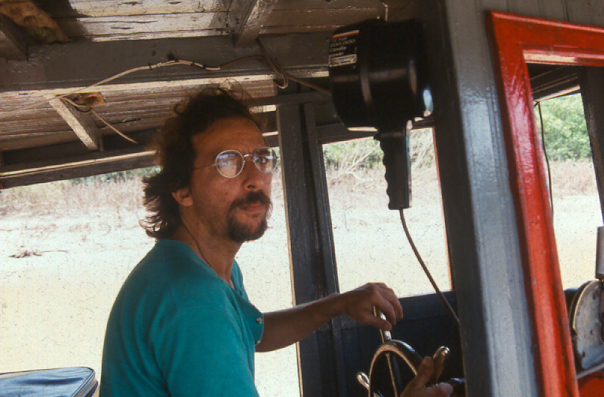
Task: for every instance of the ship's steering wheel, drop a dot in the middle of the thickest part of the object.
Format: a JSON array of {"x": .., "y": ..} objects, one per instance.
[{"x": 392, "y": 351}]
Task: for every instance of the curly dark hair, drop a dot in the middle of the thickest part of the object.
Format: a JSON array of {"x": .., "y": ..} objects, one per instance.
[{"x": 175, "y": 153}]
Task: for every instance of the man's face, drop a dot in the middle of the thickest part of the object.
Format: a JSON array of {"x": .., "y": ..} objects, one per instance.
[{"x": 234, "y": 208}]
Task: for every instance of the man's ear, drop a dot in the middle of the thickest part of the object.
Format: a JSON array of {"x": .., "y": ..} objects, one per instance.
[{"x": 183, "y": 197}]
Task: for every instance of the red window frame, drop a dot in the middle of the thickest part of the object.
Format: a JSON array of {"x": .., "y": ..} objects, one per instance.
[{"x": 517, "y": 40}]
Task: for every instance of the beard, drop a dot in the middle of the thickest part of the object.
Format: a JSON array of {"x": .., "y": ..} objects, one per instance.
[{"x": 240, "y": 232}]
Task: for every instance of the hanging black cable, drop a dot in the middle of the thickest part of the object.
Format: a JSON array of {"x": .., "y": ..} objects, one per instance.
[
  {"x": 423, "y": 265},
  {"x": 549, "y": 170}
]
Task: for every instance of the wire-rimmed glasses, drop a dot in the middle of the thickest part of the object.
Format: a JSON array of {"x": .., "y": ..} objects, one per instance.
[{"x": 230, "y": 163}]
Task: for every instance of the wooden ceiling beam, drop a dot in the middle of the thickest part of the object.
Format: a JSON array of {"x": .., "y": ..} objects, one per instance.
[
  {"x": 249, "y": 20},
  {"x": 77, "y": 65},
  {"x": 81, "y": 123},
  {"x": 72, "y": 160},
  {"x": 13, "y": 40},
  {"x": 75, "y": 168}
]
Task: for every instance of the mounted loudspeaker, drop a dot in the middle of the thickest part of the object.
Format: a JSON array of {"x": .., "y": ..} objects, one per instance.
[{"x": 378, "y": 75}]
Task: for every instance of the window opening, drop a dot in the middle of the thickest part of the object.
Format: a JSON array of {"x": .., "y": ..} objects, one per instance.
[
  {"x": 370, "y": 242},
  {"x": 66, "y": 248},
  {"x": 574, "y": 193},
  {"x": 266, "y": 274}
]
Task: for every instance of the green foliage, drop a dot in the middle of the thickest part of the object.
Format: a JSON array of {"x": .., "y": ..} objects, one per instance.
[
  {"x": 566, "y": 135},
  {"x": 357, "y": 154},
  {"x": 566, "y": 138},
  {"x": 364, "y": 154}
]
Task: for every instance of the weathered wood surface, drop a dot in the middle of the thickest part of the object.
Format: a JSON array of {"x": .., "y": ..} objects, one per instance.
[
  {"x": 78, "y": 64},
  {"x": 105, "y": 8},
  {"x": 128, "y": 108},
  {"x": 149, "y": 26},
  {"x": 135, "y": 20},
  {"x": 247, "y": 25},
  {"x": 101, "y": 8},
  {"x": 92, "y": 163},
  {"x": 13, "y": 40},
  {"x": 82, "y": 124}
]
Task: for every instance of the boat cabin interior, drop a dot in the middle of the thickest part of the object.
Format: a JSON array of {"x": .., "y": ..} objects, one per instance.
[{"x": 85, "y": 85}]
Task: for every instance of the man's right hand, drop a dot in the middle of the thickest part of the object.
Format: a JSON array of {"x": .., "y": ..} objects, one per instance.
[{"x": 417, "y": 387}]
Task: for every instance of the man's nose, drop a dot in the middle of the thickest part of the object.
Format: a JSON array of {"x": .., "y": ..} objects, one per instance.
[{"x": 254, "y": 178}]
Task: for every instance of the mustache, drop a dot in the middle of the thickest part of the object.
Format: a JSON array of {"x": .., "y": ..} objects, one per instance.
[{"x": 253, "y": 197}]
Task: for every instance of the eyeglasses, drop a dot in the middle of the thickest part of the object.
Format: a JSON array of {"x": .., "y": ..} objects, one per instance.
[{"x": 230, "y": 163}]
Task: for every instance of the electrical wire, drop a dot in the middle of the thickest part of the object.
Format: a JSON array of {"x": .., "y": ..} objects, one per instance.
[
  {"x": 112, "y": 127},
  {"x": 79, "y": 107},
  {"x": 89, "y": 109},
  {"x": 286, "y": 76},
  {"x": 109, "y": 79},
  {"x": 385, "y": 11},
  {"x": 425, "y": 268},
  {"x": 275, "y": 66},
  {"x": 549, "y": 171},
  {"x": 278, "y": 69}
]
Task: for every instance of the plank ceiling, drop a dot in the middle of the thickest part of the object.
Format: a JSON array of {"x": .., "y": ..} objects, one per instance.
[{"x": 51, "y": 48}]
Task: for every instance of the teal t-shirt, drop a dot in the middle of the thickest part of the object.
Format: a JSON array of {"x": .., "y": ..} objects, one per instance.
[{"x": 177, "y": 329}]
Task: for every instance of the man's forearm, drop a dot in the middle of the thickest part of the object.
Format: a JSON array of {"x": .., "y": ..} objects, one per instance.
[{"x": 284, "y": 327}]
